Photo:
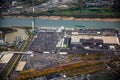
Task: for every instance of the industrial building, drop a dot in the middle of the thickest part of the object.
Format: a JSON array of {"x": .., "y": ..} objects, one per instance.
[
  {"x": 5, "y": 57},
  {"x": 20, "y": 65},
  {"x": 94, "y": 39},
  {"x": 2, "y": 43},
  {"x": 66, "y": 43}
]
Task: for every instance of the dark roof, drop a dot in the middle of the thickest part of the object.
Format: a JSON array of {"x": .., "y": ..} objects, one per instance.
[
  {"x": 66, "y": 40},
  {"x": 91, "y": 40}
]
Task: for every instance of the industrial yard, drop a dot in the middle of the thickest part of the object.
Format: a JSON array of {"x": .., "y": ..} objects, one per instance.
[
  {"x": 69, "y": 54},
  {"x": 59, "y": 40},
  {"x": 44, "y": 41}
]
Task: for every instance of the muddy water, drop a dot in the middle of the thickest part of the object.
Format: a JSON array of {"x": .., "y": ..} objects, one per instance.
[{"x": 12, "y": 36}]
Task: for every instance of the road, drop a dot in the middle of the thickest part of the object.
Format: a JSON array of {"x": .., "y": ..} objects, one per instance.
[{"x": 10, "y": 67}]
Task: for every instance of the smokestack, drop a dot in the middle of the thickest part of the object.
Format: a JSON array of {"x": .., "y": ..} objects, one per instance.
[
  {"x": 33, "y": 21},
  {"x": 33, "y": 25}
]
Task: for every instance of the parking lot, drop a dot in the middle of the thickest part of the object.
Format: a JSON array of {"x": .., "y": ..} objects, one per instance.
[{"x": 44, "y": 42}]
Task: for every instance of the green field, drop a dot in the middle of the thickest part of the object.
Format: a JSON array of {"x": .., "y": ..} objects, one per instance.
[{"x": 91, "y": 12}]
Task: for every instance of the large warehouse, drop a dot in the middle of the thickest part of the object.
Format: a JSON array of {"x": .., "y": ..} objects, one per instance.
[{"x": 98, "y": 39}]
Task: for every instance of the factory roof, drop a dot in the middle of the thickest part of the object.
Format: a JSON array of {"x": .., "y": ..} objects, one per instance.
[
  {"x": 66, "y": 40},
  {"x": 106, "y": 39},
  {"x": 91, "y": 40},
  {"x": 74, "y": 33},
  {"x": 6, "y": 57},
  {"x": 20, "y": 66},
  {"x": 63, "y": 53}
]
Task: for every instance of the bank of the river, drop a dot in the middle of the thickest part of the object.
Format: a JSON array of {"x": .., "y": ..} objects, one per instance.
[
  {"x": 7, "y": 29},
  {"x": 12, "y": 36},
  {"x": 67, "y": 18}
]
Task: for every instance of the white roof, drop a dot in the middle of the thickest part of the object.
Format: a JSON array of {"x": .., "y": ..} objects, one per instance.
[
  {"x": 74, "y": 33},
  {"x": 20, "y": 66},
  {"x": 75, "y": 39},
  {"x": 112, "y": 47},
  {"x": 46, "y": 52},
  {"x": 6, "y": 57},
  {"x": 63, "y": 53}
]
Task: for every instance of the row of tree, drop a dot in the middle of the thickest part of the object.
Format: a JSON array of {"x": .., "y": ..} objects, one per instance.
[
  {"x": 64, "y": 68},
  {"x": 75, "y": 14}
]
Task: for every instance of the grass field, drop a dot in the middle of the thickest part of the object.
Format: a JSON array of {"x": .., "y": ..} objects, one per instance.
[{"x": 91, "y": 12}]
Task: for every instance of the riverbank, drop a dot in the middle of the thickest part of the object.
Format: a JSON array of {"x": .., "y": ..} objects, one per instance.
[
  {"x": 12, "y": 36},
  {"x": 7, "y": 29},
  {"x": 68, "y": 18}
]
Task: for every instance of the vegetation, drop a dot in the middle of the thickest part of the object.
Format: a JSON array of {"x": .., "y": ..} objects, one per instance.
[
  {"x": 92, "y": 12},
  {"x": 88, "y": 66},
  {"x": 73, "y": 69},
  {"x": 66, "y": 68},
  {"x": 78, "y": 10}
]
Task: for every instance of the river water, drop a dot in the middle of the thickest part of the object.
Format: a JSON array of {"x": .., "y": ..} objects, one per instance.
[
  {"x": 39, "y": 22},
  {"x": 12, "y": 36}
]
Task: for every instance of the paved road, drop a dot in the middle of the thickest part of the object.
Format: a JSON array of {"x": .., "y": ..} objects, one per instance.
[{"x": 10, "y": 66}]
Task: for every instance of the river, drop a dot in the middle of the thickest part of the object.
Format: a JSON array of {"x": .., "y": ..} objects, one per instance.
[
  {"x": 12, "y": 36},
  {"x": 39, "y": 22}
]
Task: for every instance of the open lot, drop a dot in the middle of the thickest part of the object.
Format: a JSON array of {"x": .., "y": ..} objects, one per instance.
[{"x": 44, "y": 41}]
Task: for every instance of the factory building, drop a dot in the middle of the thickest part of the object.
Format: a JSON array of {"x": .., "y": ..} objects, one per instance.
[
  {"x": 91, "y": 41},
  {"x": 20, "y": 65},
  {"x": 5, "y": 57},
  {"x": 2, "y": 43},
  {"x": 79, "y": 39},
  {"x": 87, "y": 41},
  {"x": 66, "y": 43}
]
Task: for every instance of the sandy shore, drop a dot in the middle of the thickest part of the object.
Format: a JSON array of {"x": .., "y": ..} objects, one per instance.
[{"x": 69, "y": 18}]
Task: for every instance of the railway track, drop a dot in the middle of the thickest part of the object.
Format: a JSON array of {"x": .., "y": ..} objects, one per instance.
[{"x": 10, "y": 67}]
